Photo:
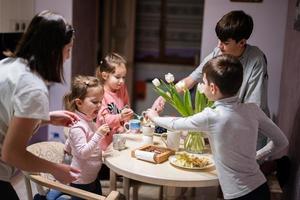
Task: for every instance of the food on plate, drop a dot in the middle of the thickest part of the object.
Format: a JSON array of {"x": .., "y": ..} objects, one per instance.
[{"x": 191, "y": 161}]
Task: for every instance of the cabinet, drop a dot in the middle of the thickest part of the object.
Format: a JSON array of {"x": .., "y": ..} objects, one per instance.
[{"x": 15, "y": 15}]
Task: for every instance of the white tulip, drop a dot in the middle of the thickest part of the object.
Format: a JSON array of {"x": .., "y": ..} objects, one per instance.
[
  {"x": 168, "y": 94},
  {"x": 180, "y": 85},
  {"x": 156, "y": 82},
  {"x": 200, "y": 87},
  {"x": 169, "y": 78}
]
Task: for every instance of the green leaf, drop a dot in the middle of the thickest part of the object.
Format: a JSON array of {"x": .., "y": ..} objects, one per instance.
[
  {"x": 182, "y": 102},
  {"x": 187, "y": 101},
  {"x": 163, "y": 94},
  {"x": 197, "y": 102}
]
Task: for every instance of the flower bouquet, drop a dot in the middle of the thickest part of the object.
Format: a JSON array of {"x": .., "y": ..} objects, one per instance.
[{"x": 182, "y": 102}]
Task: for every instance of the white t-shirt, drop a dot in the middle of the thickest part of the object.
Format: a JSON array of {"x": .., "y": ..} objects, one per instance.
[{"x": 22, "y": 94}]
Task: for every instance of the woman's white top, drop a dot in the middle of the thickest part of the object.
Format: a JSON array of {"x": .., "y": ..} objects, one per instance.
[{"x": 22, "y": 94}]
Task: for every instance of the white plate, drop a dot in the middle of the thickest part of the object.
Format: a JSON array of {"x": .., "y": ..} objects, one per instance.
[{"x": 173, "y": 161}]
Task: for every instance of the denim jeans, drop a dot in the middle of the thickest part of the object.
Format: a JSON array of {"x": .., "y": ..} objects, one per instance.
[{"x": 56, "y": 195}]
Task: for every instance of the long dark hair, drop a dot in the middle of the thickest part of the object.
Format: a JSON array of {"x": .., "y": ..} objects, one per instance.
[{"x": 42, "y": 45}]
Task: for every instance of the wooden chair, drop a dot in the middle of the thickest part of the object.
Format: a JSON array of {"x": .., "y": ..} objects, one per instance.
[
  {"x": 275, "y": 189},
  {"x": 54, "y": 152}
]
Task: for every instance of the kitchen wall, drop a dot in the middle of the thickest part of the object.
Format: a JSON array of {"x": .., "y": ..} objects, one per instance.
[
  {"x": 289, "y": 106},
  {"x": 269, "y": 31}
]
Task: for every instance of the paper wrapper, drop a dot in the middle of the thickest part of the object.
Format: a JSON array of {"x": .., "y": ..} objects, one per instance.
[
  {"x": 152, "y": 153},
  {"x": 144, "y": 155}
]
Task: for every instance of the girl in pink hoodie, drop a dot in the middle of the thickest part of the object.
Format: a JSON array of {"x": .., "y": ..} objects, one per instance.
[
  {"x": 115, "y": 105},
  {"x": 83, "y": 142}
]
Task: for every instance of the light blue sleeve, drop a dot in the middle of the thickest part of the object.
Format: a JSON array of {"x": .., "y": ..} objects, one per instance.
[
  {"x": 257, "y": 85},
  {"x": 197, "y": 122},
  {"x": 278, "y": 140},
  {"x": 196, "y": 75}
]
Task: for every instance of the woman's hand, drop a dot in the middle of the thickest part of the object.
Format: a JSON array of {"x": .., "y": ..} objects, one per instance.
[
  {"x": 63, "y": 118},
  {"x": 65, "y": 173},
  {"x": 103, "y": 129}
]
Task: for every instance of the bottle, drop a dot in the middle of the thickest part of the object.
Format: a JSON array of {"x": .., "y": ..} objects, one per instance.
[{"x": 56, "y": 137}]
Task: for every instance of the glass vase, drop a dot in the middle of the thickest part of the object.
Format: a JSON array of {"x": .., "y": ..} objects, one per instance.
[{"x": 194, "y": 142}]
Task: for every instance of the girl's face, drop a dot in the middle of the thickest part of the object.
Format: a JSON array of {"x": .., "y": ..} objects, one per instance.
[
  {"x": 114, "y": 81},
  {"x": 91, "y": 104}
]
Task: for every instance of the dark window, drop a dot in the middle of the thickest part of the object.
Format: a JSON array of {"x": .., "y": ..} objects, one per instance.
[{"x": 169, "y": 31}]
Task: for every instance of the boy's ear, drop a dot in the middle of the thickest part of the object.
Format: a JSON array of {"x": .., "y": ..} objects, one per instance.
[
  {"x": 213, "y": 88},
  {"x": 242, "y": 42}
]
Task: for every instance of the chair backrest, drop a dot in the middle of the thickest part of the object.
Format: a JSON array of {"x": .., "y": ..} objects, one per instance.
[
  {"x": 54, "y": 152},
  {"x": 51, "y": 151}
]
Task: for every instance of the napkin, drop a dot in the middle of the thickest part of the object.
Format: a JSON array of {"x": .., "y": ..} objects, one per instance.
[{"x": 145, "y": 155}]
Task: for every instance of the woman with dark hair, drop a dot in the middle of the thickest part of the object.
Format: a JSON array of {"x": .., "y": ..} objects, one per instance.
[{"x": 24, "y": 102}]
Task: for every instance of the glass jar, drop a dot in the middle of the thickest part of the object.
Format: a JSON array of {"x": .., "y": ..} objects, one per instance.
[{"x": 194, "y": 142}]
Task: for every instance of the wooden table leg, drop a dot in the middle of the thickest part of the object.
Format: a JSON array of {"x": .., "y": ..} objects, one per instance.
[
  {"x": 171, "y": 193},
  {"x": 112, "y": 180},
  {"x": 126, "y": 183}
]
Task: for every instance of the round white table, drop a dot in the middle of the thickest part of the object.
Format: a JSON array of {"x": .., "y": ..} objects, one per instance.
[{"x": 164, "y": 174}]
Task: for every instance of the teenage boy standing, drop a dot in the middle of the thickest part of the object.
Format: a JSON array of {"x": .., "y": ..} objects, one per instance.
[{"x": 233, "y": 30}]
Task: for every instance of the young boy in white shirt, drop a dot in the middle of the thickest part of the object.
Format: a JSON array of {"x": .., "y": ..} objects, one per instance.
[{"x": 232, "y": 128}]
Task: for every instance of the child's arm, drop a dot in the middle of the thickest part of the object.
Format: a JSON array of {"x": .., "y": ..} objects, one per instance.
[
  {"x": 256, "y": 92},
  {"x": 81, "y": 147},
  {"x": 115, "y": 120},
  {"x": 67, "y": 147},
  {"x": 197, "y": 122},
  {"x": 271, "y": 130}
]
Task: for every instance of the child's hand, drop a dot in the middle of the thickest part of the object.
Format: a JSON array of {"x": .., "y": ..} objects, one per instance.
[
  {"x": 151, "y": 113},
  {"x": 103, "y": 129},
  {"x": 126, "y": 114}
]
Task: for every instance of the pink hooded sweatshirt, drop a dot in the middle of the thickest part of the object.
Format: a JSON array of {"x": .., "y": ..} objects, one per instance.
[{"x": 112, "y": 104}]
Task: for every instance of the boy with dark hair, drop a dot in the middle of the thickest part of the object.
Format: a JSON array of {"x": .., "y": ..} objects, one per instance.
[
  {"x": 233, "y": 30},
  {"x": 232, "y": 128}
]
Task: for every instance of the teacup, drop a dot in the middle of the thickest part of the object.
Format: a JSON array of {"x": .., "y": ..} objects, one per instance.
[
  {"x": 119, "y": 141},
  {"x": 173, "y": 139},
  {"x": 147, "y": 139},
  {"x": 133, "y": 126},
  {"x": 147, "y": 130}
]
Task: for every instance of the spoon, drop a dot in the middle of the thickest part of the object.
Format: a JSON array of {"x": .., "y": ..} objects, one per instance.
[{"x": 139, "y": 117}]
